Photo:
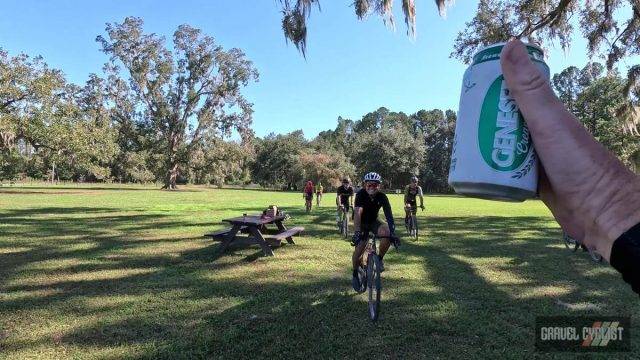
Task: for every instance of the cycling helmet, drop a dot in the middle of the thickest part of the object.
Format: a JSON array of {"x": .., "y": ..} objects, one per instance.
[
  {"x": 346, "y": 180},
  {"x": 414, "y": 179},
  {"x": 373, "y": 176}
]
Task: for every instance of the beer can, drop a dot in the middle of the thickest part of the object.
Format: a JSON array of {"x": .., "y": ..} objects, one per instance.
[{"x": 493, "y": 155}]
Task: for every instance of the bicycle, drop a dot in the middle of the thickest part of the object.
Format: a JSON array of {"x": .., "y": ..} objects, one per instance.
[
  {"x": 369, "y": 274},
  {"x": 573, "y": 245},
  {"x": 412, "y": 222},
  {"x": 343, "y": 222}
]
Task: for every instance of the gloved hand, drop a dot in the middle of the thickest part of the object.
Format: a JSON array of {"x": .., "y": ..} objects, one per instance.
[
  {"x": 422, "y": 207},
  {"x": 356, "y": 238},
  {"x": 395, "y": 240}
]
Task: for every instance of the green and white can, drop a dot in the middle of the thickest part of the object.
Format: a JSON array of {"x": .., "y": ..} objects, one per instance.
[{"x": 493, "y": 155}]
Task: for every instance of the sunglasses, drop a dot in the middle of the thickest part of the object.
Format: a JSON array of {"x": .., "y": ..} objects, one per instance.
[{"x": 372, "y": 185}]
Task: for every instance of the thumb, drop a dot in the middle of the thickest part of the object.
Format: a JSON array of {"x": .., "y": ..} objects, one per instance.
[
  {"x": 546, "y": 116},
  {"x": 526, "y": 82}
]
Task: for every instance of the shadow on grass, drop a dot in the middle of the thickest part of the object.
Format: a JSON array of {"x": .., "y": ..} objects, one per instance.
[
  {"x": 55, "y": 189},
  {"x": 485, "y": 279}
]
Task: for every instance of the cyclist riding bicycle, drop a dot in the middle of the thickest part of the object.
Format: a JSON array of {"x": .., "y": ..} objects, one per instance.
[
  {"x": 307, "y": 192},
  {"x": 344, "y": 197},
  {"x": 410, "y": 192},
  {"x": 368, "y": 202},
  {"x": 319, "y": 190}
]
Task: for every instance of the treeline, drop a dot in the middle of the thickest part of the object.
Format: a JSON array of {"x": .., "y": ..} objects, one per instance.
[
  {"x": 394, "y": 144},
  {"x": 168, "y": 114},
  {"x": 596, "y": 98},
  {"x": 157, "y": 113}
]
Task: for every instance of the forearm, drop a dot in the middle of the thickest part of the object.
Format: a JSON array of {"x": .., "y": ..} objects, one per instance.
[
  {"x": 357, "y": 218},
  {"x": 620, "y": 210},
  {"x": 389, "y": 216}
]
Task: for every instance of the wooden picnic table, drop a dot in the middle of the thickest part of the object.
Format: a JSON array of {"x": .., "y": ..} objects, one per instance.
[{"x": 253, "y": 225}]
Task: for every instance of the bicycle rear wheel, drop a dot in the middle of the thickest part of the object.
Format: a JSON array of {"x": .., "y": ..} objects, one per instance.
[{"x": 374, "y": 285}]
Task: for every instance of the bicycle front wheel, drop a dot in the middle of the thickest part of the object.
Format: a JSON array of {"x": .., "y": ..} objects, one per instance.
[
  {"x": 345, "y": 225},
  {"x": 374, "y": 285}
]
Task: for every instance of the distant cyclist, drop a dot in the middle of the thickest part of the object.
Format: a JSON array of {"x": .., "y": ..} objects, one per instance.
[
  {"x": 344, "y": 197},
  {"x": 368, "y": 202},
  {"x": 319, "y": 190},
  {"x": 410, "y": 192},
  {"x": 307, "y": 194}
]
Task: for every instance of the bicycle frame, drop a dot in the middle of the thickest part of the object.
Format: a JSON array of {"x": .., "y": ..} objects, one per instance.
[{"x": 412, "y": 225}]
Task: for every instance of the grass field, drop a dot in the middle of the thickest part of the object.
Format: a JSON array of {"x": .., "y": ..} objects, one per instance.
[{"x": 124, "y": 272}]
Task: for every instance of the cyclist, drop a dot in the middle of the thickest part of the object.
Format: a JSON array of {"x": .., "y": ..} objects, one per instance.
[
  {"x": 319, "y": 189},
  {"x": 344, "y": 197},
  {"x": 368, "y": 202},
  {"x": 307, "y": 193},
  {"x": 410, "y": 192}
]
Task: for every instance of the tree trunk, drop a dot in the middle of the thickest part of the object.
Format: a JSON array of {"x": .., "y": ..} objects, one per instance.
[
  {"x": 172, "y": 162},
  {"x": 171, "y": 177},
  {"x": 53, "y": 172}
]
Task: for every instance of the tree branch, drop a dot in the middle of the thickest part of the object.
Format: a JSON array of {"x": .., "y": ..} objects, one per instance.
[
  {"x": 547, "y": 19},
  {"x": 11, "y": 101}
]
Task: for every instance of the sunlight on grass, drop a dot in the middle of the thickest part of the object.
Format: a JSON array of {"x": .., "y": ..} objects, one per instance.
[{"x": 127, "y": 274}]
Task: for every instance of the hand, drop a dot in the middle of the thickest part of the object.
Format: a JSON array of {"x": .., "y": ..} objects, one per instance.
[
  {"x": 592, "y": 195},
  {"x": 355, "y": 239},
  {"x": 422, "y": 207},
  {"x": 396, "y": 242}
]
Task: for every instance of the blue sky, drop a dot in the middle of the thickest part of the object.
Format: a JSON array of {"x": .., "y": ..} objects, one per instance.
[{"x": 352, "y": 67}]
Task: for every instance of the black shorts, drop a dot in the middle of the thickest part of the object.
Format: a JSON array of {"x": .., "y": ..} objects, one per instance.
[
  {"x": 308, "y": 196},
  {"x": 367, "y": 228},
  {"x": 345, "y": 203},
  {"x": 413, "y": 204}
]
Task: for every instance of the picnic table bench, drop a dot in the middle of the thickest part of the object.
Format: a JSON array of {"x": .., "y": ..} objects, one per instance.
[{"x": 253, "y": 225}]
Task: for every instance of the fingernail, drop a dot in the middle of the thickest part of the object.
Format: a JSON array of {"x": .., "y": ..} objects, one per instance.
[{"x": 515, "y": 54}]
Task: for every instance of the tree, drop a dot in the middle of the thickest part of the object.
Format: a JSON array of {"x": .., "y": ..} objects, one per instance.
[
  {"x": 29, "y": 90},
  {"x": 58, "y": 122},
  {"x": 391, "y": 151},
  {"x": 594, "y": 97},
  {"x": 218, "y": 162},
  {"x": 187, "y": 95},
  {"x": 612, "y": 29},
  {"x": 277, "y": 160},
  {"x": 326, "y": 167},
  {"x": 436, "y": 128},
  {"x": 295, "y": 14}
]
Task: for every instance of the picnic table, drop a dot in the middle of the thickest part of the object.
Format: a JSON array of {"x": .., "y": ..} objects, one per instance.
[{"x": 253, "y": 225}]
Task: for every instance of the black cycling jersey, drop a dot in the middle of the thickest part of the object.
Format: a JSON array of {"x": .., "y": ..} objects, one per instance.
[
  {"x": 344, "y": 193},
  {"x": 625, "y": 257},
  {"x": 371, "y": 206}
]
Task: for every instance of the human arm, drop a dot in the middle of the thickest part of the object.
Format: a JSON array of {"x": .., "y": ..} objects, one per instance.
[
  {"x": 421, "y": 198},
  {"x": 388, "y": 214},
  {"x": 592, "y": 195}
]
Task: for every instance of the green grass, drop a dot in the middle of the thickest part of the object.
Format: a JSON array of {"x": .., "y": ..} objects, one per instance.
[{"x": 123, "y": 272}]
